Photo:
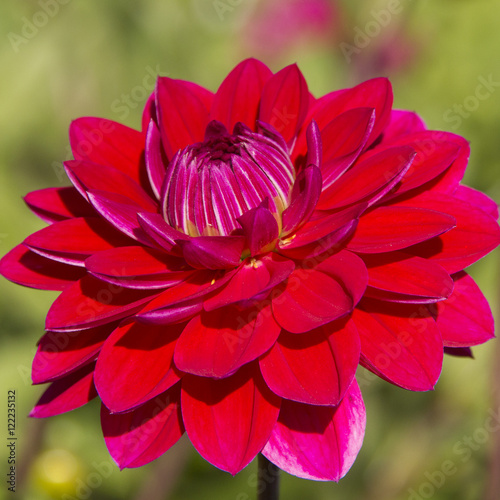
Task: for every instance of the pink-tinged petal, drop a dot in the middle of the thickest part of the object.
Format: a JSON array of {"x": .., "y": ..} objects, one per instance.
[
  {"x": 108, "y": 143},
  {"x": 72, "y": 241},
  {"x": 400, "y": 344},
  {"x": 238, "y": 97},
  {"x": 149, "y": 113},
  {"x": 314, "y": 145},
  {"x": 182, "y": 115},
  {"x": 217, "y": 343},
  {"x": 229, "y": 420},
  {"x": 403, "y": 123},
  {"x": 386, "y": 229},
  {"x": 285, "y": 102},
  {"x": 27, "y": 268},
  {"x": 66, "y": 394},
  {"x": 475, "y": 235},
  {"x": 87, "y": 176},
  {"x": 91, "y": 302},
  {"x": 309, "y": 299},
  {"x": 343, "y": 140},
  {"x": 316, "y": 368},
  {"x": 349, "y": 270},
  {"x": 463, "y": 352},
  {"x": 140, "y": 436},
  {"x": 138, "y": 267},
  {"x": 213, "y": 252},
  {"x": 400, "y": 277},
  {"x": 368, "y": 180},
  {"x": 318, "y": 442},
  {"x": 57, "y": 204},
  {"x": 253, "y": 277},
  {"x": 140, "y": 353},
  {"x": 477, "y": 199},
  {"x": 465, "y": 319},
  {"x": 305, "y": 195},
  {"x": 60, "y": 353},
  {"x": 260, "y": 229},
  {"x": 161, "y": 232},
  {"x": 156, "y": 160},
  {"x": 121, "y": 213}
]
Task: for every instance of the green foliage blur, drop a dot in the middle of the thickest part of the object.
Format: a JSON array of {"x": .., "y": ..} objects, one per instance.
[{"x": 99, "y": 58}]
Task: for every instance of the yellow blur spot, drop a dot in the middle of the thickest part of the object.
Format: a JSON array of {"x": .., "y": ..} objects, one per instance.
[{"x": 56, "y": 471}]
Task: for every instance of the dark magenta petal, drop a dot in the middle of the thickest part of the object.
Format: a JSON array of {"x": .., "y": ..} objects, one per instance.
[
  {"x": 158, "y": 230},
  {"x": 368, "y": 180},
  {"x": 309, "y": 299},
  {"x": 229, "y": 420},
  {"x": 182, "y": 114},
  {"x": 305, "y": 195},
  {"x": 217, "y": 343},
  {"x": 91, "y": 302},
  {"x": 465, "y": 319},
  {"x": 285, "y": 102},
  {"x": 260, "y": 229},
  {"x": 66, "y": 394},
  {"x": 27, "y": 268},
  {"x": 87, "y": 176},
  {"x": 400, "y": 343},
  {"x": 475, "y": 235},
  {"x": 148, "y": 113},
  {"x": 318, "y": 442},
  {"x": 316, "y": 368},
  {"x": 238, "y": 97},
  {"x": 400, "y": 277},
  {"x": 477, "y": 199},
  {"x": 140, "y": 436},
  {"x": 120, "y": 212},
  {"x": 60, "y": 353},
  {"x": 123, "y": 357},
  {"x": 156, "y": 160},
  {"x": 73, "y": 240},
  {"x": 314, "y": 145},
  {"x": 138, "y": 267},
  {"x": 386, "y": 229},
  {"x": 108, "y": 143},
  {"x": 343, "y": 140},
  {"x": 213, "y": 252},
  {"x": 402, "y": 123},
  {"x": 56, "y": 204}
]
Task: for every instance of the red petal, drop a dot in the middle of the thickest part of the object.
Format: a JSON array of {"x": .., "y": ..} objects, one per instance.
[
  {"x": 392, "y": 228},
  {"x": 238, "y": 97},
  {"x": 156, "y": 160},
  {"x": 309, "y": 299},
  {"x": 27, "y": 268},
  {"x": 56, "y": 204},
  {"x": 140, "y": 353},
  {"x": 260, "y": 229},
  {"x": 465, "y": 319},
  {"x": 402, "y": 123},
  {"x": 316, "y": 368},
  {"x": 90, "y": 302},
  {"x": 140, "y": 436},
  {"x": 477, "y": 199},
  {"x": 108, "y": 143},
  {"x": 229, "y": 421},
  {"x": 285, "y": 102},
  {"x": 399, "y": 277},
  {"x": 182, "y": 115},
  {"x": 217, "y": 343},
  {"x": 318, "y": 442},
  {"x": 66, "y": 394},
  {"x": 72, "y": 241},
  {"x": 401, "y": 344},
  {"x": 60, "y": 353}
]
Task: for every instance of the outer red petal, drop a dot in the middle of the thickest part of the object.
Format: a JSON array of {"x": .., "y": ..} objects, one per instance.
[
  {"x": 477, "y": 199},
  {"x": 140, "y": 436},
  {"x": 318, "y": 442},
  {"x": 316, "y": 368},
  {"x": 402, "y": 123},
  {"x": 229, "y": 421},
  {"x": 401, "y": 344}
]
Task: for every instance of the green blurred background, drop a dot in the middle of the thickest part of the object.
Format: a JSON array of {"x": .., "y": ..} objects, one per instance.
[{"x": 61, "y": 59}]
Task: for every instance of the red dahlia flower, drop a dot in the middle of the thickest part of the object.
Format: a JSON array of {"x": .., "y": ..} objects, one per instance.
[{"x": 226, "y": 270}]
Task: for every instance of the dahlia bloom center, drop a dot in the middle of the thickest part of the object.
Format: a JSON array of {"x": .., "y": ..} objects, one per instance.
[{"x": 210, "y": 184}]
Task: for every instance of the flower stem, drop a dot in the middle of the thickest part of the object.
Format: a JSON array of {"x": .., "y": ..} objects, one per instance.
[{"x": 268, "y": 485}]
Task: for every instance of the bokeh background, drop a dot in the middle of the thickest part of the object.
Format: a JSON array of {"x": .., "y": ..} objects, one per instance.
[{"x": 61, "y": 59}]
